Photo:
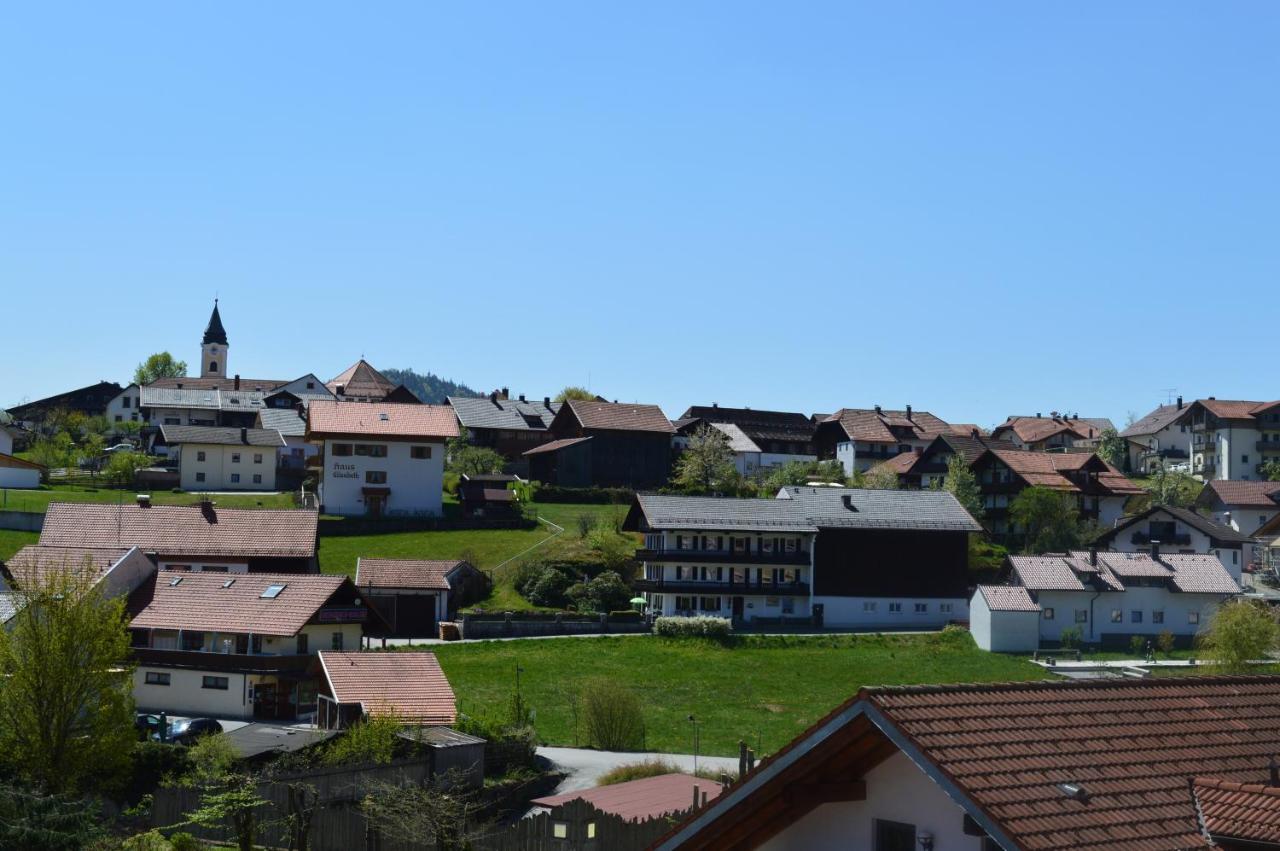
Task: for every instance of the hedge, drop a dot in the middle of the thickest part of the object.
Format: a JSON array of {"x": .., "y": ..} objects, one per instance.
[
  {"x": 697, "y": 627},
  {"x": 600, "y": 496}
]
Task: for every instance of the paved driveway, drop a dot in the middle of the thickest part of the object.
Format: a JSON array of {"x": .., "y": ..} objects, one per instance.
[{"x": 584, "y": 767}]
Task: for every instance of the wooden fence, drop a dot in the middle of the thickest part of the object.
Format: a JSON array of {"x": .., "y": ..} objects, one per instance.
[{"x": 576, "y": 826}]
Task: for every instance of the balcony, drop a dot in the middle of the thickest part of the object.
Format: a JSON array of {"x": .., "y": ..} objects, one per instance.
[
  {"x": 1268, "y": 445},
  {"x": 694, "y": 586},
  {"x": 799, "y": 557},
  {"x": 1144, "y": 538},
  {"x": 1165, "y": 453},
  {"x": 238, "y": 663}
]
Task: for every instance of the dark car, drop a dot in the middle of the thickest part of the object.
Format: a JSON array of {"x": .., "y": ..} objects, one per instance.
[
  {"x": 186, "y": 732},
  {"x": 148, "y": 726}
]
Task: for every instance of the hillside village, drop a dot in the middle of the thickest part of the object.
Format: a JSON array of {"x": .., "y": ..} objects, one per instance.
[{"x": 551, "y": 619}]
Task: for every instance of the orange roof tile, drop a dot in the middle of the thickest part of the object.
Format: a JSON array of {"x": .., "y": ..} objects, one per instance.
[
  {"x": 411, "y": 686},
  {"x": 619, "y": 416},
  {"x": 380, "y": 419},
  {"x": 233, "y": 602},
  {"x": 404, "y": 573},
  {"x": 643, "y": 799}
]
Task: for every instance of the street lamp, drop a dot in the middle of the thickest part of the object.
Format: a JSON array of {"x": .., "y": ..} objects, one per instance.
[{"x": 695, "y": 722}]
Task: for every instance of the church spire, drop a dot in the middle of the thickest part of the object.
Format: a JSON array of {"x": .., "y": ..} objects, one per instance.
[{"x": 215, "y": 333}]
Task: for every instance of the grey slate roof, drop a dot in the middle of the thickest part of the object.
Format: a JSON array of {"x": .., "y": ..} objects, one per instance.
[
  {"x": 222, "y": 436},
  {"x": 212, "y": 399},
  {"x": 287, "y": 421},
  {"x": 9, "y": 606},
  {"x": 807, "y": 509},
  {"x": 1156, "y": 420},
  {"x": 1199, "y": 522},
  {"x": 511, "y": 414}
]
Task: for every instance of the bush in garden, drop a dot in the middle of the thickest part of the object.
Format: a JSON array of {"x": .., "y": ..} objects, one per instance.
[
  {"x": 695, "y": 627},
  {"x": 612, "y": 717},
  {"x": 1071, "y": 638},
  {"x": 548, "y": 588},
  {"x": 1165, "y": 642},
  {"x": 604, "y": 593},
  {"x": 1138, "y": 645}
]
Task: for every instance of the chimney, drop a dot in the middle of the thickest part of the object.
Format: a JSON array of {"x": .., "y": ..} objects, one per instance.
[
  {"x": 521, "y": 397},
  {"x": 715, "y": 404},
  {"x": 1093, "y": 556},
  {"x": 1155, "y": 550},
  {"x": 1179, "y": 403},
  {"x": 546, "y": 402},
  {"x": 1274, "y": 770},
  {"x": 1211, "y": 398},
  {"x": 144, "y": 500},
  {"x": 506, "y": 393},
  {"x": 1037, "y": 415},
  {"x": 493, "y": 397},
  {"x": 236, "y": 386},
  {"x": 877, "y": 409},
  {"x": 847, "y": 499},
  {"x": 908, "y": 412},
  {"x": 244, "y": 436},
  {"x": 973, "y": 432}
]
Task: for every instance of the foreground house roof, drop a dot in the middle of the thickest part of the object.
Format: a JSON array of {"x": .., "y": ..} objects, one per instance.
[
  {"x": 506, "y": 414},
  {"x": 1243, "y": 812},
  {"x": 1054, "y": 470},
  {"x": 1008, "y": 598},
  {"x": 287, "y": 421},
  {"x": 236, "y": 602},
  {"x": 555, "y": 445},
  {"x": 186, "y": 530},
  {"x": 202, "y": 398},
  {"x": 410, "y": 686},
  {"x": 1100, "y": 764},
  {"x": 804, "y": 509},
  {"x": 643, "y": 799},
  {"x": 380, "y": 419},
  {"x": 405, "y": 573},
  {"x": 220, "y": 436}
]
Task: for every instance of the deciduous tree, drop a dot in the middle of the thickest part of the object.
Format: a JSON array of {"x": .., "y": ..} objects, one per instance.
[
  {"x": 881, "y": 478},
  {"x": 1239, "y": 633},
  {"x": 572, "y": 393},
  {"x": 159, "y": 365},
  {"x": 1112, "y": 448},
  {"x": 1049, "y": 520},
  {"x": 961, "y": 483},
  {"x": 706, "y": 464}
]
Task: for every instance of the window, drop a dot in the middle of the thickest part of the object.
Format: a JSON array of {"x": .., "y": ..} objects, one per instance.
[
  {"x": 1082, "y": 615},
  {"x": 419, "y": 453},
  {"x": 235, "y": 457},
  {"x": 868, "y": 605},
  {"x": 273, "y": 591},
  {"x": 336, "y": 642},
  {"x": 371, "y": 450},
  {"x": 1135, "y": 616},
  {"x": 200, "y": 455},
  {"x": 375, "y": 477},
  {"x": 119, "y": 418},
  {"x": 1048, "y": 613},
  {"x": 945, "y": 608},
  {"x": 1157, "y": 616},
  {"x": 895, "y": 608},
  {"x": 124, "y": 403},
  {"x": 1117, "y": 616},
  {"x": 235, "y": 478},
  {"x": 1244, "y": 459},
  {"x": 1193, "y": 617},
  {"x": 302, "y": 644},
  {"x": 257, "y": 457},
  {"x": 219, "y": 683},
  {"x": 171, "y": 421},
  {"x": 155, "y": 678},
  {"x": 591, "y": 830},
  {"x": 894, "y": 836},
  {"x": 257, "y": 478},
  {"x": 343, "y": 449},
  {"x": 710, "y": 604},
  {"x": 560, "y": 829},
  {"x": 922, "y": 608},
  {"x": 199, "y": 477}
]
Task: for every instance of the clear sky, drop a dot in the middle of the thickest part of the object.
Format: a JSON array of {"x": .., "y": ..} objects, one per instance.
[{"x": 975, "y": 208}]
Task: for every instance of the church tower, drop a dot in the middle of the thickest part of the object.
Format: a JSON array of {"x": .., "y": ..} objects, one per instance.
[{"x": 213, "y": 349}]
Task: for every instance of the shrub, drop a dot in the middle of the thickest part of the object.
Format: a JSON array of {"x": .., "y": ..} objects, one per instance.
[
  {"x": 183, "y": 841},
  {"x": 626, "y": 616},
  {"x": 956, "y": 637},
  {"x": 370, "y": 740},
  {"x": 612, "y": 715},
  {"x": 1138, "y": 644},
  {"x": 612, "y": 550},
  {"x": 1165, "y": 642},
  {"x": 451, "y": 480},
  {"x": 607, "y": 591},
  {"x": 1239, "y": 633},
  {"x": 585, "y": 523},
  {"x": 549, "y": 587},
  {"x": 584, "y": 496},
  {"x": 1071, "y": 638},
  {"x": 653, "y": 768},
  {"x": 695, "y": 627}
]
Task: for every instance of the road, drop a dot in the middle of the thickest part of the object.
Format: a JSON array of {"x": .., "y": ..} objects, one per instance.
[{"x": 584, "y": 767}]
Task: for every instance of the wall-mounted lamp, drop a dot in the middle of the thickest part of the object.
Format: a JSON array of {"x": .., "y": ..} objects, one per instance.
[{"x": 926, "y": 841}]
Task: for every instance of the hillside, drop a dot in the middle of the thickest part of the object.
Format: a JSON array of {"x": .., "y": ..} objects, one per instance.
[{"x": 430, "y": 387}]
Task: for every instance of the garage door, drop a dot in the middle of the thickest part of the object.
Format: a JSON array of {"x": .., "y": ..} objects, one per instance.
[{"x": 415, "y": 616}]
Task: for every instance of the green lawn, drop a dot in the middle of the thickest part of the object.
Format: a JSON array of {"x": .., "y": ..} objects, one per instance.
[
  {"x": 484, "y": 548},
  {"x": 11, "y": 542},
  {"x": 762, "y": 689},
  {"x": 38, "y": 500}
]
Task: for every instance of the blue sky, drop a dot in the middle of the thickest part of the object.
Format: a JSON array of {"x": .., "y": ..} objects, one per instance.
[{"x": 977, "y": 209}]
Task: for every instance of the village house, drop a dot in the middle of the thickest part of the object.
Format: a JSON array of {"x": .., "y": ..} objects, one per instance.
[
  {"x": 240, "y": 646},
  {"x": 1056, "y": 766},
  {"x": 860, "y": 439},
  {"x": 17, "y": 473},
  {"x": 413, "y": 595},
  {"x": 778, "y": 436},
  {"x": 835, "y": 557},
  {"x": 1232, "y": 439},
  {"x": 1099, "y": 490},
  {"x": 1160, "y": 439},
  {"x": 489, "y": 495},
  {"x": 1181, "y": 530},
  {"x": 224, "y": 459},
  {"x": 409, "y": 687},
  {"x": 360, "y": 382},
  {"x": 118, "y": 571},
  {"x": 125, "y": 407},
  {"x": 747, "y": 457},
  {"x": 929, "y": 468},
  {"x": 201, "y": 537},
  {"x": 381, "y": 459},
  {"x": 1244, "y": 506},
  {"x": 1109, "y": 597},
  {"x": 91, "y": 401},
  {"x": 605, "y": 444},
  {"x": 293, "y": 452},
  {"x": 1056, "y": 431},
  {"x": 507, "y": 426}
]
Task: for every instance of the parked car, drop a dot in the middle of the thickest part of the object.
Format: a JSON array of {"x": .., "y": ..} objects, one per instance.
[
  {"x": 119, "y": 447},
  {"x": 148, "y": 726},
  {"x": 187, "y": 731}
]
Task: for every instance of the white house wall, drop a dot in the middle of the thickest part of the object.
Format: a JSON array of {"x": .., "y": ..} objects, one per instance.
[
  {"x": 896, "y": 791},
  {"x": 1175, "y": 605},
  {"x": 185, "y": 694},
  {"x": 218, "y": 466},
  {"x": 416, "y": 485},
  {"x": 851, "y": 612},
  {"x": 19, "y": 477}
]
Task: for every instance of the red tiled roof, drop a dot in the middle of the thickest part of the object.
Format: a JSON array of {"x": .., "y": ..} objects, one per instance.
[
  {"x": 380, "y": 419},
  {"x": 1003, "y": 751},
  {"x": 1240, "y": 811},
  {"x": 871, "y": 426},
  {"x": 33, "y": 563},
  {"x": 1251, "y": 494},
  {"x": 900, "y": 463},
  {"x": 183, "y": 530},
  {"x": 204, "y": 601},
  {"x": 618, "y": 416},
  {"x": 1036, "y": 429},
  {"x": 411, "y": 686},
  {"x": 188, "y": 383},
  {"x": 643, "y": 799},
  {"x": 1008, "y": 598},
  {"x": 554, "y": 445},
  {"x": 404, "y": 573},
  {"x": 1233, "y": 409},
  {"x": 1047, "y": 469},
  {"x": 361, "y": 380}
]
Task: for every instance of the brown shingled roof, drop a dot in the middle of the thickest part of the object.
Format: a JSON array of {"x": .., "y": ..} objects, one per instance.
[
  {"x": 411, "y": 686},
  {"x": 871, "y": 426},
  {"x": 1239, "y": 811},
  {"x": 619, "y": 416},
  {"x": 1008, "y": 598},
  {"x": 1251, "y": 494},
  {"x": 640, "y": 800},
  {"x": 361, "y": 380},
  {"x": 30, "y": 565},
  {"x": 233, "y": 602},
  {"x": 187, "y": 530},
  {"x": 1036, "y": 429},
  {"x": 380, "y": 419},
  {"x": 404, "y": 573}
]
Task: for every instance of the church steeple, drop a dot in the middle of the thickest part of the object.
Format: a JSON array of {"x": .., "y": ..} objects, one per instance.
[
  {"x": 215, "y": 333},
  {"x": 213, "y": 349}
]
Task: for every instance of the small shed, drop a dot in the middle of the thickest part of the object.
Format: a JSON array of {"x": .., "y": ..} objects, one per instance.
[
  {"x": 262, "y": 741},
  {"x": 409, "y": 687},
  {"x": 17, "y": 473},
  {"x": 452, "y": 753},
  {"x": 413, "y": 595},
  {"x": 488, "y": 495},
  {"x": 1005, "y": 619}
]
